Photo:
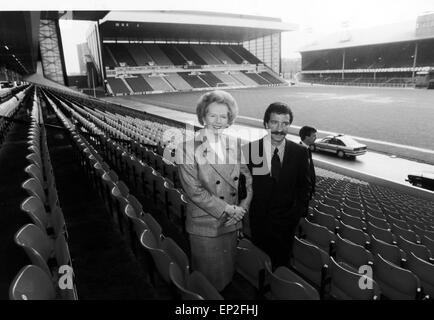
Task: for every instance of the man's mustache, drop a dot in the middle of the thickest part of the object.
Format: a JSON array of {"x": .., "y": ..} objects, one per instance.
[{"x": 279, "y": 133}]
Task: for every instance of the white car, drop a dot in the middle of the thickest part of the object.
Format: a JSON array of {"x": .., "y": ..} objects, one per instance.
[{"x": 341, "y": 145}]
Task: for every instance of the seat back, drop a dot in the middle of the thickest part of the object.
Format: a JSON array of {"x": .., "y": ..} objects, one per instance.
[
  {"x": 31, "y": 283},
  {"x": 381, "y": 234},
  {"x": 250, "y": 263},
  {"x": 178, "y": 279},
  {"x": 424, "y": 271},
  {"x": 419, "y": 250},
  {"x": 34, "y": 188},
  {"x": 316, "y": 234},
  {"x": 154, "y": 227},
  {"x": 355, "y": 235},
  {"x": 352, "y": 254},
  {"x": 32, "y": 236},
  {"x": 388, "y": 251},
  {"x": 345, "y": 284},
  {"x": 395, "y": 282},
  {"x": 284, "y": 285},
  {"x": 177, "y": 255},
  {"x": 34, "y": 207},
  {"x": 161, "y": 258},
  {"x": 309, "y": 260}
]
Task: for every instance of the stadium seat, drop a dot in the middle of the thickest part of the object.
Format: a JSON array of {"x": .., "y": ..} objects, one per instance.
[
  {"x": 310, "y": 261},
  {"x": 250, "y": 263},
  {"x": 398, "y": 222},
  {"x": 355, "y": 235},
  {"x": 352, "y": 221},
  {"x": 325, "y": 220},
  {"x": 395, "y": 282},
  {"x": 351, "y": 255},
  {"x": 388, "y": 251},
  {"x": 419, "y": 250},
  {"x": 345, "y": 284},
  {"x": 32, "y": 283},
  {"x": 154, "y": 227},
  {"x": 355, "y": 212},
  {"x": 381, "y": 234},
  {"x": 407, "y": 234},
  {"x": 43, "y": 252},
  {"x": 424, "y": 271},
  {"x": 176, "y": 206},
  {"x": 194, "y": 286},
  {"x": 379, "y": 223},
  {"x": 317, "y": 235},
  {"x": 328, "y": 210},
  {"x": 286, "y": 285},
  {"x": 164, "y": 254},
  {"x": 428, "y": 242}
]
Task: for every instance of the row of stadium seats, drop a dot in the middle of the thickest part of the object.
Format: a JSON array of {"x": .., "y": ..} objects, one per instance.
[
  {"x": 174, "y": 54},
  {"x": 184, "y": 81},
  {"x": 44, "y": 241}
]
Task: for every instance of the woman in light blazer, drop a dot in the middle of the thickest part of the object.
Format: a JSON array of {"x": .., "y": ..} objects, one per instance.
[{"x": 209, "y": 167}]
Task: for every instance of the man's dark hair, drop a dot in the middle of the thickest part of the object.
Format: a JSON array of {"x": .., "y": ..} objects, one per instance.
[
  {"x": 305, "y": 132},
  {"x": 279, "y": 108}
]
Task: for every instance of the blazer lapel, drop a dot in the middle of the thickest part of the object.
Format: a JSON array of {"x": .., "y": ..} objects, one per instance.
[{"x": 286, "y": 158}]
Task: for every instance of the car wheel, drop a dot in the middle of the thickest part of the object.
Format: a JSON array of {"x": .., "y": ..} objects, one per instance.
[
  {"x": 341, "y": 154},
  {"x": 312, "y": 147}
]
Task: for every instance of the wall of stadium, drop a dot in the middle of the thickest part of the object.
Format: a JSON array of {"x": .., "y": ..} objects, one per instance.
[
  {"x": 93, "y": 43},
  {"x": 267, "y": 49}
]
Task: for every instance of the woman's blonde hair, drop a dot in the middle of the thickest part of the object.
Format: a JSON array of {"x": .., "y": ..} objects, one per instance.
[{"x": 218, "y": 96}]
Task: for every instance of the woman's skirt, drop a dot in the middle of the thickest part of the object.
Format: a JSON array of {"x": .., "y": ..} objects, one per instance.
[{"x": 215, "y": 257}]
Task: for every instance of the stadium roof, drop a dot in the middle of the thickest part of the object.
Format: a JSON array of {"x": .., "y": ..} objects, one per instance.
[
  {"x": 189, "y": 26},
  {"x": 19, "y": 36},
  {"x": 391, "y": 33}
]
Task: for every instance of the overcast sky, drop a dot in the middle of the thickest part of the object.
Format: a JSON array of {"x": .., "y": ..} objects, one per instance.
[{"x": 314, "y": 17}]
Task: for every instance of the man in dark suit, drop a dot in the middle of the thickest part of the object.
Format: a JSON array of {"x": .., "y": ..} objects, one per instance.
[
  {"x": 308, "y": 136},
  {"x": 281, "y": 185}
]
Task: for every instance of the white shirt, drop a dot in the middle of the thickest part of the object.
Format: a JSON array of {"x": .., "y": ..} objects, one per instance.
[
  {"x": 269, "y": 149},
  {"x": 215, "y": 142}
]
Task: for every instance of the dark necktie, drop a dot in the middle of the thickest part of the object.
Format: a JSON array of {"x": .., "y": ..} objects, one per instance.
[{"x": 275, "y": 165}]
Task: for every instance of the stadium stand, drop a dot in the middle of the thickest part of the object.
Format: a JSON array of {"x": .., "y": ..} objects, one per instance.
[
  {"x": 117, "y": 86},
  {"x": 139, "y": 54},
  {"x": 219, "y": 54},
  {"x": 193, "y": 80},
  {"x": 243, "y": 79},
  {"x": 120, "y": 152},
  {"x": 139, "y": 84},
  {"x": 257, "y": 78},
  {"x": 173, "y": 54},
  {"x": 158, "y": 83},
  {"x": 157, "y": 55},
  {"x": 178, "y": 82},
  {"x": 245, "y": 54},
  {"x": 190, "y": 54},
  {"x": 211, "y": 79},
  {"x": 205, "y": 54},
  {"x": 121, "y": 55}
]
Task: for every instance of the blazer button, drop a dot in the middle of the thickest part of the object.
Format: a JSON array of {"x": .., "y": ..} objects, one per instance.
[
  {"x": 236, "y": 178},
  {"x": 222, "y": 197},
  {"x": 217, "y": 182},
  {"x": 233, "y": 194}
]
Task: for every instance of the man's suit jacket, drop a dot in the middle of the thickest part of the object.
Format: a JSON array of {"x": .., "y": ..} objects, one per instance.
[
  {"x": 312, "y": 173},
  {"x": 282, "y": 202},
  {"x": 209, "y": 185}
]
